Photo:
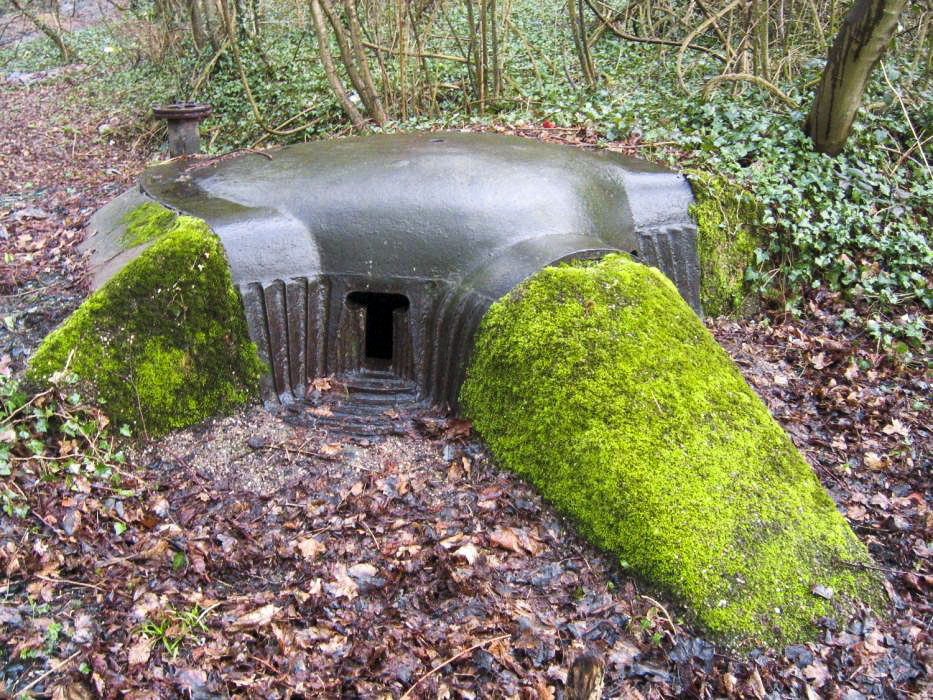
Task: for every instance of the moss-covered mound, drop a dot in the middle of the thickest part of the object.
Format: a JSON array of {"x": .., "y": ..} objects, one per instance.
[
  {"x": 163, "y": 344},
  {"x": 146, "y": 222},
  {"x": 599, "y": 384},
  {"x": 726, "y": 242}
]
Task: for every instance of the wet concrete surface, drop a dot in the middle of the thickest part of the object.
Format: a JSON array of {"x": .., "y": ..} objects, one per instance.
[{"x": 321, "y": 236}]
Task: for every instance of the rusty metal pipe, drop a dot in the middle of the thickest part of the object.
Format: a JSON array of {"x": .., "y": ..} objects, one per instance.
[{"x": 182, "y": 120}]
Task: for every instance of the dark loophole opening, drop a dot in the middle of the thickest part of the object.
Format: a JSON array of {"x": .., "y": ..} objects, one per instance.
[{"x": 379, "y": 343}]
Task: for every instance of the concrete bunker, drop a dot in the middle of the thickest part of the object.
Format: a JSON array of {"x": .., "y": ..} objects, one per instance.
[{"x": 373, "y": 259}]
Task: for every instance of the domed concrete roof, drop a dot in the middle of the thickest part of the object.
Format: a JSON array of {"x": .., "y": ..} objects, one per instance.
[{"x": 451, "y": 221}]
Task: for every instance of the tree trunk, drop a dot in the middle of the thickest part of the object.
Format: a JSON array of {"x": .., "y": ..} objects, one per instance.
[
  {"x": 378, "y": 112},
  {"x": 578, "y": 29},
  {"x": 858, "y": 47},
  {"x": 343, "y": 45},
  {"x": 209, "y": 30},
  {"x": 323, "y": 40},
  {"x": 197, "y": 24},
  {"x": 56, "y": 35},
  {"x": 760, "y": 38}
]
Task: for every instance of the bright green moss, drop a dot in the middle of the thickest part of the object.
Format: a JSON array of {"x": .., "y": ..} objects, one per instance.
[
  {"x": 164, "y": 343},
  {"x": 145, "y": 223},
  {"x": 726, "y": 243},
  {"x": 598, "y": 384}
]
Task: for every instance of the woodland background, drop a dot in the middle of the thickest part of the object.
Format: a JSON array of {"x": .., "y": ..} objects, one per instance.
[{"x": 132, "y": 570}]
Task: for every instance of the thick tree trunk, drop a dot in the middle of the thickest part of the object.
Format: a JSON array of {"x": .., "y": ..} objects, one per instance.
[{"x": 858, "y": 47}]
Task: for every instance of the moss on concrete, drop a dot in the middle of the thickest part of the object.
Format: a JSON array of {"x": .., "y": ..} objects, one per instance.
[
  {"x": 599, "y": 385},
  {"x": 163, "y": 344},
  {"x": 726, "y": 242},
  {"x": 146, "y": 222}
]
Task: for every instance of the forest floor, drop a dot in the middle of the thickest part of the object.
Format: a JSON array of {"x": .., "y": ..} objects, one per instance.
[
  {"x": 247, "y": 557},
  {"x": 73, "y": 15}
]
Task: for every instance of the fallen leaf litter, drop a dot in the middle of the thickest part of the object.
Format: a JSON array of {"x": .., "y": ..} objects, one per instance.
[{"x": 323, "y": 566}]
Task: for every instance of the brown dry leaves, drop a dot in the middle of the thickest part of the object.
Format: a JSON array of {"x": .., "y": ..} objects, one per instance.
[{"x": 362, "y": 573}]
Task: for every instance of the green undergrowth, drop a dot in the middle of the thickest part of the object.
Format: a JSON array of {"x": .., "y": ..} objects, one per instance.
[
  {"x": 598, "y": 384},
  {"x": 726, "y": 241},
  {"x": 53, "y": 434},
  {"x": 848, "y": 232},
  {"x": 164, "y": 343},
  {"x": 852, "y": 228}
]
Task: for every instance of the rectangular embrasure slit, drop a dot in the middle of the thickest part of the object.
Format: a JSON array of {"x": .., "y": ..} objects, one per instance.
[{"x": 379, "y": 337}]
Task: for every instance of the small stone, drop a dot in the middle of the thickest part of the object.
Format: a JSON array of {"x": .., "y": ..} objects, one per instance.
[
  {"x": 822, "y": 591},
  {"x": 30, "y": 213}
]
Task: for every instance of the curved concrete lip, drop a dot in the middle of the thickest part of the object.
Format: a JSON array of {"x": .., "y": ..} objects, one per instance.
[{"x": 450, "y": 221}]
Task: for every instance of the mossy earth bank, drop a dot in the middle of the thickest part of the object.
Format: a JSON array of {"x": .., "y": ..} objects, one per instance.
[
  {"x": 598, "y": 384},
  {"x": 163, "y": 344}
]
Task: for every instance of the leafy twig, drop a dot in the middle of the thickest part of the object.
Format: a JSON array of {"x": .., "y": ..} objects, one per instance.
[
  {"x": 450, "y": 661},
  {"x": 660, "y": 607},
  {"x": 860, "y": 565},
  {"x": 900, "y": 101},
  {"x": 54, "y": 669}
]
